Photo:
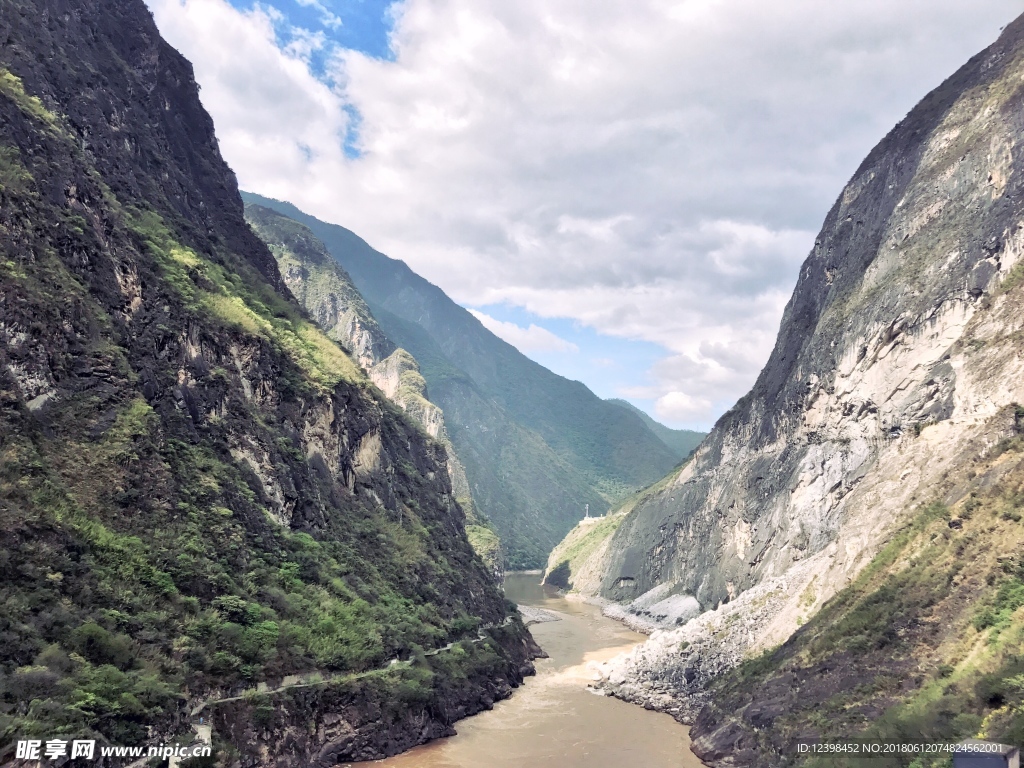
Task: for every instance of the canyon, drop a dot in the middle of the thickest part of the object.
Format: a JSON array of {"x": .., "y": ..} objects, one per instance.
[{"x": 886, "y": 408}]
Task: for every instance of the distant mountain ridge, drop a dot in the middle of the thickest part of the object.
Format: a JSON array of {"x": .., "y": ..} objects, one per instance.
[
  {"x": 682, "y": 441},
  {"x": 325, "y": 290},
  {"x": 537, "y": 447},
  {"x": 321, "y": 285}
]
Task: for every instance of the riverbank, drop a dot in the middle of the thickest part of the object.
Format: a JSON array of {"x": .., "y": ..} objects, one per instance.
[
  {"x": 672, "y": 671},
  {"x": 309, "y": 722},
  {"x": 554, "y": 720}
]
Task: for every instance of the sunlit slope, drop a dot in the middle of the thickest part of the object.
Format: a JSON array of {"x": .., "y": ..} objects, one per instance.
[
  {"x": 885, "y": 421},
  {"x": 923, "y": 647},
  {"x": 325, "y": 290}
]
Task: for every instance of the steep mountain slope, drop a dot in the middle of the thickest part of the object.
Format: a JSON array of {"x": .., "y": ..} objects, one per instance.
[
  {"x": 199, "y": 491},
  {"x": 326, "y": 291},
  {"x": 923, "y": 647},
  {"x": 577, "y": 564},
  {"x": 537, "y": 447},
  {"x": 320, "y": 285},
  {"x": 898, "y": 359},
  {"x": 682, "y": 442}
]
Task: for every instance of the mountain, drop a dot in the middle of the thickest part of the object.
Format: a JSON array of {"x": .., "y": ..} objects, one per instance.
[
  {"x": 865, "y": 493},
  {"x": 202, "y": 497},
  {"x": 325, "y": 290},
  {"x": 682, "y": 442},
  {"x": 320, "y": 285},
  {"x": 537, "y": 447}
]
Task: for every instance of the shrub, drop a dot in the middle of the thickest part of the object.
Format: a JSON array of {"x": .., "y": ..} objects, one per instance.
[{"x": 100, "y": 647}]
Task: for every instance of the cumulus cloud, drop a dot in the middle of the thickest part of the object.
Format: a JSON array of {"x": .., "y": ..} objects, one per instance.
[
  {"x": 680, "y": 407},
  {"x": 655, "y": 170},
  {"x": 530, "y": 339},
  {"x": 270, "y": 112}
]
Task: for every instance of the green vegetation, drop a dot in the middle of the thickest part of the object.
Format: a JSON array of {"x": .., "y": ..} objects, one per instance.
[
  {"x": 1013, "y": 278},
  {"x": 487, "y": 546},
  {"x": 427, "y": 684},
  {"x": 164, "y": 534},
  {"x": 14, "y": 177},
  {"x": 318, "y": 282},
  {"x": 238, "y": 297},
  {"x": 11, "y": 87},
  {"x": 327, "y": 293},
  {"x": 573, "y": 554},
  {"x": 576, "y": 562},
  {"x": 411, "y": 385},
  {"x": 296, "y": 604},
  {"x": 682, "y": 442},
  {"x": 923, "y": 646},
  {"x": 432, "y": 362}
]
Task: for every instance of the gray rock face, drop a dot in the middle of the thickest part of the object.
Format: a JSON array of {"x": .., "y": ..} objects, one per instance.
[
  {"x": 890, "y": 353},
  {"x": 326, "y": 291},
  {"x": 656, "y": 609},
  {"x": 320, "y": 285},
  {"x": 174, "y": 430},
  {"x": 671, "y": 671}
]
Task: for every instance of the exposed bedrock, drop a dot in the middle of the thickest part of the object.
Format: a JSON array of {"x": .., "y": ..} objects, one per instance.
[{"x": 898, "y": 358}]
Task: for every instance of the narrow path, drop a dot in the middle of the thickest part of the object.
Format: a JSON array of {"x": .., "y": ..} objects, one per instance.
[
  {"x": 309, "y": 679},
  {"x": 204, "y": 727}
]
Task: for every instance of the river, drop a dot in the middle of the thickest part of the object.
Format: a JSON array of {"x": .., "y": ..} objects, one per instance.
[{"x": 553, "y": 721}]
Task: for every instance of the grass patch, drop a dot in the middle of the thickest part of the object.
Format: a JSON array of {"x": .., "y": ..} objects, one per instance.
[
  {"x": 15, "y": 178},
  {"x": 486, "y": 544},
  {"x": 923, "y": 646},
  {"x": 239, "y": 299},
  {"x": 579, "y": 546},
  {"x": 12, "y": 87},
  {"x": 1013, "y": 278}
]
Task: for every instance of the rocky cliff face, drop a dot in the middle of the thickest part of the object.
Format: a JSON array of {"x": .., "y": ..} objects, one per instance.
[
  {"x": 364, "y": 719},
  {"x": 923, "y": 646},
  {"x": 326, "y": 291},
  {"x": 199, "y": 491},
  {"x": 320, "y": 285},
  {"x": 897, "y": 358}
]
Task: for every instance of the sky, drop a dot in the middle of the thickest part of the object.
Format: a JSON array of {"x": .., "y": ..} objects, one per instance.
[{"x": 623, "y": 189}]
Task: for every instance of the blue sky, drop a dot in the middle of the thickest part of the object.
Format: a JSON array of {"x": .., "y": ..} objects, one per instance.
[
  {"x": 360, "y": 25},
  {"x": 609, "y": 366}
]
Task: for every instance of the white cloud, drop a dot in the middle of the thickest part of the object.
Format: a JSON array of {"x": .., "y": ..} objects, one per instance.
[
  {"x": 327, "y": 18},
  {"x": 270, "y": 112},
  {"x": 680, "y": 407},
  {"x": 526, "y": 340},
  {"x": 652, "y": 169},
  {"x": 305, "y": 43}
]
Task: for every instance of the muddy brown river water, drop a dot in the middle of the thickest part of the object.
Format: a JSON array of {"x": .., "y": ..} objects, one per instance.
[{"x": 553, "y": 721}]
